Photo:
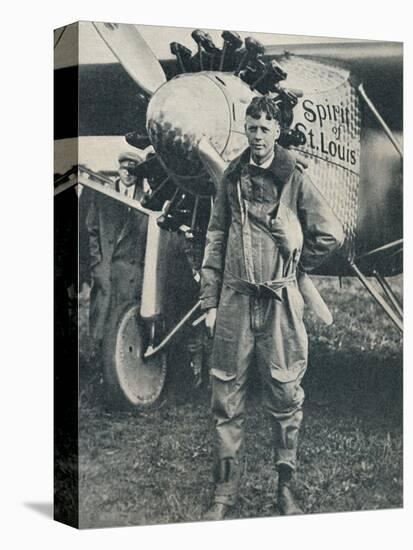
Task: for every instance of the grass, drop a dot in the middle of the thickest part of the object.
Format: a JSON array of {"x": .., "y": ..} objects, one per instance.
[{"x": 146, "y": 468}]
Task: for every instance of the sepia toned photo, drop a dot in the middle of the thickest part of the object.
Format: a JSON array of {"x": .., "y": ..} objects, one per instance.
[{"x": 228, "y": 221}]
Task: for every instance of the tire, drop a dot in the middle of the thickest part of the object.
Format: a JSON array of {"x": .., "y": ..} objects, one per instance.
[{"x": 131, "y": 382}]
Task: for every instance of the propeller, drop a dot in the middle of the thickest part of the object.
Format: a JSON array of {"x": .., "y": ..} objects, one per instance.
[{"x": 133, "y": 53}]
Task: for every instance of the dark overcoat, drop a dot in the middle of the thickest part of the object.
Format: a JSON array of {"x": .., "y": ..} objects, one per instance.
[{"x": 117, "y": 242}]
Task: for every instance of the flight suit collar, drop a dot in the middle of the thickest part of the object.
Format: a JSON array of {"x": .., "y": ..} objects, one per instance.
[{"x": 282, "y": 165}]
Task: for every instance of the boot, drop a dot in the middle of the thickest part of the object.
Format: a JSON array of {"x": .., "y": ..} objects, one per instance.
[
  {"x": 286, "y": 503},
  {"x": 226, "y": 478},
  {"x": 217, "y": 512}
]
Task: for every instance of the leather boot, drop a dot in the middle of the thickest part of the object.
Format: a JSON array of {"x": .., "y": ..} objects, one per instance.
[
  {"x": 217, "y": 512},
  {"x": 286, "y": 503},
  {"x": 226, "y": 478}
]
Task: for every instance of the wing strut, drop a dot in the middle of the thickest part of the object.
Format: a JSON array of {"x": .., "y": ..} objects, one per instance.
[
  {"x": 380, "y": 120},
  {"x": 389, "y": 293},
  {"x": 390, "y": 304}
]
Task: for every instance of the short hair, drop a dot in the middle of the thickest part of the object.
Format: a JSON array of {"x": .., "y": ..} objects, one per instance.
[{"x": 264, "y": 105}]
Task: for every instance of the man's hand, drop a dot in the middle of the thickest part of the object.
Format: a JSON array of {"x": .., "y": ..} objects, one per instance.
[{"x": 210, "y": 319}]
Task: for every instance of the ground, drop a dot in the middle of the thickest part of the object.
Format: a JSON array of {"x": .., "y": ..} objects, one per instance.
[{"x": 155, "y": 467}]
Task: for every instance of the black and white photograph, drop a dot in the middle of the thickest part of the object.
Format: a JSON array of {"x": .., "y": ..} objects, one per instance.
[
  {"x": 228, "y": 274},
  {"x": 204, "y": 276}
]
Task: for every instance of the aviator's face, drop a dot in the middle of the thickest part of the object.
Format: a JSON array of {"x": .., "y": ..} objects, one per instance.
[{"x": 262, "y": 135}]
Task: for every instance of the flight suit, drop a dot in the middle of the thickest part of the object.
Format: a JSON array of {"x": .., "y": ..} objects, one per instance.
[{"x": 266, "y": 224}]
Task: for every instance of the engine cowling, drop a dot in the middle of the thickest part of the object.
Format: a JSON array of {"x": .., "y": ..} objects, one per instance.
[{"x": 189, "y": 107}]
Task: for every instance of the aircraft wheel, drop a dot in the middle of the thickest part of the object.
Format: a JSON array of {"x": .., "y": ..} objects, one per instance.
[{"x": 131, "y": 381}]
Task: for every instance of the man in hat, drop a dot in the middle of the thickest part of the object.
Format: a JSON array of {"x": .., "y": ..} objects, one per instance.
[
  {"x": 268, "y": 222},
  {"x": 117, "y": 241}
]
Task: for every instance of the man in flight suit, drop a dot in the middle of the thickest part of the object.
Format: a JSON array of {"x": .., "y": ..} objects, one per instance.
[{"x": 268, "y": 222}]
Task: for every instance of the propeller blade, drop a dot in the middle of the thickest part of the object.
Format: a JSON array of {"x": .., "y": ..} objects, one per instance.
[
  {"x": 133, "y": 53},
  {"x": 313, "y": 299}
]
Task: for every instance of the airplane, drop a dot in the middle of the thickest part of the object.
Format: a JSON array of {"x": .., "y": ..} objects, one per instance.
[{"x": 342, "y": 116}]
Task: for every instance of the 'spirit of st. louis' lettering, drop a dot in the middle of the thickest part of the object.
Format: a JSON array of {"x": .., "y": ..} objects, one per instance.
[
  {"x": 337, "y": 151},
  {"x": 322, "y": 112}
]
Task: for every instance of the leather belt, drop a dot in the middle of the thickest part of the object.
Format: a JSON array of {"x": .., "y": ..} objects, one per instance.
[{"x": 267, "y": 288}]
